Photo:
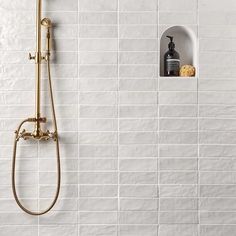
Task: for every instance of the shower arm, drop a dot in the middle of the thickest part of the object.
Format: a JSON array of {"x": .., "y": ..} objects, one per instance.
[{"x": 37, "y": 132}]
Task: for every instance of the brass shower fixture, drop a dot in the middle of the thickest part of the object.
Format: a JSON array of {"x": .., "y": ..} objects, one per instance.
[{"x": 37, "y": 133}]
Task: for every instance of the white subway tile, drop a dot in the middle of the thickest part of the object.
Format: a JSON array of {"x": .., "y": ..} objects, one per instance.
[
  {"x": 178, "y": 124},
  {"x": 177, "y": 111},
  {"x": 138, "y": 71},
  {"x": 178, "y": 151},
  {"x": 97, "y": 178},
  {"x": 178, "y": 190},
  {"x": 141, "y": 191},
  {"x": 106, "y": 230},
  {"x": 217, "y": 190},
  {"x": 90, "y": 111},
  {"x": 181, "y": 5},
  {"x": 98, "y": 44},
  {"x": 98, "y": 84},
  {"x": 58, "y": 218},
  {"x": 94, "y": 71},
  {"x": 106, "y": 18},
  {"x": 178, "y": 17},
  {"x": 217, "y": 217},
  {"x": 59, "y": 230},
  {"x": 97, "y": 31},
  {"x": 177, "y": 97},
  {"x": 217, "y": 230},
  {"x": 98, "y": 5},
  {"x": 178, "y": 229},
  {"x": 217, "y": 177},
  {"x": 19, "y": 230},
  {"x": 98, "y": 204},
  {"x": 138, "y": 31},
  {"x": 138, "y": 57},
  {"x": 138, "y": 138},
  {"x": 138, "y": 84},
  {"x": 178, "y": 137},
  {"x": 217, "y": 165},
  {"x": 178, "y": 84},
  {"x": 178, "y": 217},
  {"x": 138, "y": 230},
  {"x": 138, "y": 178},
  {"x": 95, "y": 151},
  {"x": 178, "y": 204},
  {"x": 219, "y": 111},
  {"x": 134, "y": 204},
  {"x": 87, "y": 191},
  {"x": 138, "y": 165},
  {"x": 178, "y": 177},
  {"x": 138, "y": 5},
  {"x": 138, "y": 45},
  {"x": 170, "y": 164},
  {"x": 217, "y": 137},
  {"x": 137, "y": 97},
  {"x": 98, "y": 125},
  {"x": 217, "y": 204},
  {"x": 138, "y": 17},
  {"x": 213, "y": 150},
  {"x": 140, "y": 217},
  {"x": 211, "y": 5},
  {"x": 97, "y": 138},
  {"x": 98, "y": 58},
  {"x": 138, "y": 151},
  {"x": 138, "y": 111},
  {"x": 93, "y": 98},
  {"x": 97, "y": 218},
  {"x": 98, "y": 165}
]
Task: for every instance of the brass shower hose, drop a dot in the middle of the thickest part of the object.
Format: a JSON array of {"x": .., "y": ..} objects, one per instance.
[{"x": 47, "y": 135}]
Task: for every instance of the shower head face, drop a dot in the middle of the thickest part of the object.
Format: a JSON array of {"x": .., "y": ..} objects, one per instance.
[{"x": 46, "y": 22}]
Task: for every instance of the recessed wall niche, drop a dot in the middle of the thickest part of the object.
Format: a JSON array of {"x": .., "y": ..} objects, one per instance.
[{"x": 185, "y": 44}]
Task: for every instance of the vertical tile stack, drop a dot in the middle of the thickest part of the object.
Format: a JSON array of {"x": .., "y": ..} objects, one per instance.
[
  {"x": 15, "y": 94},
  {"x": 65, "y": 83},
  {"x": 217, "y": 99},
  {"x": 178, "y": 135},
  {"x": 138, "y": 121},
  {"x": 98, "y": 113}
]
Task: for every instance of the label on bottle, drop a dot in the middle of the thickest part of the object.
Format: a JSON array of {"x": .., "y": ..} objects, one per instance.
[{"x": 172, "y": 64}]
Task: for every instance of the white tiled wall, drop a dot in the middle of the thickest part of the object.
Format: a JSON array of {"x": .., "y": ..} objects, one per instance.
[{"x": 141, "y": 155}]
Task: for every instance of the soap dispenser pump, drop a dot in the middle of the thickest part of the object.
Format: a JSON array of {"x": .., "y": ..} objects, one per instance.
[{"x": 171, "y": 60}]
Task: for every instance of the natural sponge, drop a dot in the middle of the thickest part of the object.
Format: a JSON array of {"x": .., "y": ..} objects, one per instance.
[{"x": 187, "y": 71}]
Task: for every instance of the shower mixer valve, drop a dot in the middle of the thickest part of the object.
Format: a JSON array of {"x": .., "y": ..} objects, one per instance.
[{"x": 37, "y": 133}]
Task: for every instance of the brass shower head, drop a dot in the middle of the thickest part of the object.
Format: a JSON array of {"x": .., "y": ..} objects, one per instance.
[{"x": 46, "y": 22}]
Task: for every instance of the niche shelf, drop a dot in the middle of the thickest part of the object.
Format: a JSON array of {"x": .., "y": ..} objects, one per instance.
[{"x": 185, "y": 44}]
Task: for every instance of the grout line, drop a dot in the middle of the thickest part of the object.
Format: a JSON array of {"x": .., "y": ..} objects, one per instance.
[
  {"x": 198, "y": 127},
  {"x": 158, "y": 119},
  {"x": 78, "y": 121},
  {"x": 118, "y": 116},
  {"x": 38, "y": 147}
]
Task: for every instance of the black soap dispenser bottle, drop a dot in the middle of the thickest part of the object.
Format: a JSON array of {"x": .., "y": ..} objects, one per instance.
[{"x": 171, "y": 60}]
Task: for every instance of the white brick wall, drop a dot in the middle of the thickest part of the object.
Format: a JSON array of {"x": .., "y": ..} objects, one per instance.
[{"x": 141, "y": 155}]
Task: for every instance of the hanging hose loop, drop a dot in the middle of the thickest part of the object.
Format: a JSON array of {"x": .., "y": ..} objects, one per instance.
[{"x": 25, "y": 135}]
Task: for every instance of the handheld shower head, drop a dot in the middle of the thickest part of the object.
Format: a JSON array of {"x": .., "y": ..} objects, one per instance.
[{"x": 46, "y": 22}]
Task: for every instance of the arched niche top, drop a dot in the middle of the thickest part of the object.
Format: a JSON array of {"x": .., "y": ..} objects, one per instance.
[{"x": 185, "y": 44}]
